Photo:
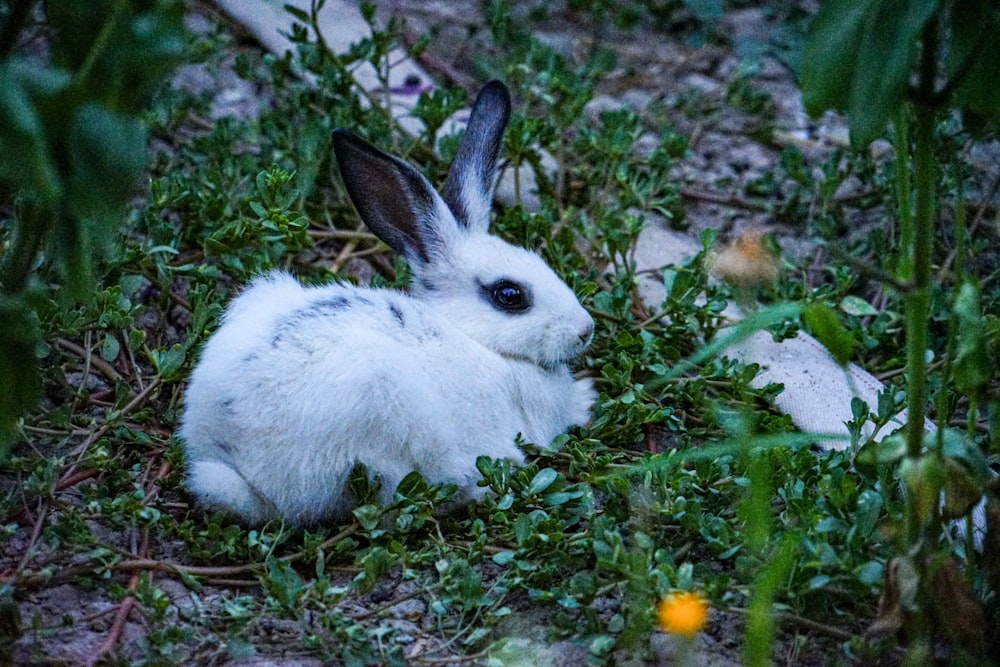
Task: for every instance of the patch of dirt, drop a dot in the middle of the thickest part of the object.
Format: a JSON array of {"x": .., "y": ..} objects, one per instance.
[{"x": 662, "y": 77}]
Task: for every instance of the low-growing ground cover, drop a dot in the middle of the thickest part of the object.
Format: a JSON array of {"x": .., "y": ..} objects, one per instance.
[{"x": 686, "y": 479}]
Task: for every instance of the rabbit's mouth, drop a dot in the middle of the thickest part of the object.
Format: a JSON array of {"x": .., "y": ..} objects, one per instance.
[{"x": 547, "y": 365}]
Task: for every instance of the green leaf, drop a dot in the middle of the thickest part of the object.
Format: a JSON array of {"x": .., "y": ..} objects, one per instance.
[
  {"x": 868, "y": 512},
  {"x": 857, "y": 306},
  {"x": 829, "y": 524},
  {"x": 78, "y": 26},
  {"x": 859, "y": 410},
  {"x": 368, "y": 516},
  {"x": 887, "y": 451},
  {"x": 376, "y": 563},
  {"x": 25, "y": 161},
  {"x": 168, "y": 362},
  {"x": 20, "y": 384},
  {"x": 298, "y": 13},
  {"x": 110, "y": 348},
  {"x": 523, "y": 529},
  {"x": 957, "y": 446},
  {"x": 602, "y": 645},
  {"x": 924, "y": 477},
  {"x": 858, "y": 58},
  {"x": 962, "y": 490},
  {"x": 163, "y": 248},
  {"x": 870, "y": 573},
  {"x": 829, "y": 60},
  {"x": 974, "y": 55},
  {"x": 828, "y": 330},
  {"x": 875, "y": 98},
  {"x": 561, "y": 498},
  {"x": 189, "y": 580},
  {"x": 107, "y": 155},
  {"x": 120, "y": 52},
  {"x": 886, "y": 405},
  {"x": 470, "y": 582},
  {"x": 484, "y": 465},
  {"x": 283, "y": 583},
  {"x": 503, "y": 557},
  {"x": 685, "y": 576},
  {"x": 542, "y": 480},
  {"x": 412, "y": 486},
  {"x": 130, "y": 284},
  {"x": 972, "y": 367}
]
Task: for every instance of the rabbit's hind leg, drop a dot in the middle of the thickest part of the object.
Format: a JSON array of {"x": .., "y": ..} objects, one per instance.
[{"x": 220, "y": 486}]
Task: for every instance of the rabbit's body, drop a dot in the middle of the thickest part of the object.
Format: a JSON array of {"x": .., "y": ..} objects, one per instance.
[
  {"x": 299, "y": 385},
  {"x": 254, "y": 438}
]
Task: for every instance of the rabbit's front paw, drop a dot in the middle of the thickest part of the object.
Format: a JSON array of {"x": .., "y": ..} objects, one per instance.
[{"x": 583, "y": 399}]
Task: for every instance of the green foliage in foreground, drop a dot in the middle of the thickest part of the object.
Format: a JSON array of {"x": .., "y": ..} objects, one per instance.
[
  {"x": 685, "y": 480},
  {"x": 935, "y": 56},
  {"x": 72, "y": 149}
]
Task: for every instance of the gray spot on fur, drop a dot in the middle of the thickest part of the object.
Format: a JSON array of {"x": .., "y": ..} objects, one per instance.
[
  {"x": 223, "y": 446},
  {"x": 326, "y": 307},
  {"x": 397, "y": 314}
]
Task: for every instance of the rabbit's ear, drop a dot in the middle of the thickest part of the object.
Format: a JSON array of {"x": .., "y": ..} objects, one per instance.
[
  {"x": 394, "y": 199},
  {"x": 469, "y": 188}
]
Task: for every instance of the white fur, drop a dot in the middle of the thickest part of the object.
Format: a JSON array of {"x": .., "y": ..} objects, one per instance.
[{"x": 299, "y": 385}]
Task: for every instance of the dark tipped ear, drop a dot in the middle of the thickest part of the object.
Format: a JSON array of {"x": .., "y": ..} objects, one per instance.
[
  {"x": 469, "y": 188},
  {"x": 392, "y": 197}
]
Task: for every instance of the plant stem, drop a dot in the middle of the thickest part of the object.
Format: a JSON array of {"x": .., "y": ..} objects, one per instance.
[
  {"x": 904, "y": 193},
  {"x": 916, "y": 304},
  {"x": 917, "y": 301}
]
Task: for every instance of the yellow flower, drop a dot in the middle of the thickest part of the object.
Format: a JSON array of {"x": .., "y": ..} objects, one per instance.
[{"x": 683, "y": 613}]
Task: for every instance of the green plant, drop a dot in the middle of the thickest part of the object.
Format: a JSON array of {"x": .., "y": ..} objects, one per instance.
[
  {"x": 937, "y": 56},
  {"x": 72, "y": 147}
]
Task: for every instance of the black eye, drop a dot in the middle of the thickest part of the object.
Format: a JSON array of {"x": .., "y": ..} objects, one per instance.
[{"x": 508, "y": 296}]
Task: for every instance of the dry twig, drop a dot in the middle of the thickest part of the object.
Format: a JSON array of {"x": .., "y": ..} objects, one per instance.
[{"x": 104, "y": 367}]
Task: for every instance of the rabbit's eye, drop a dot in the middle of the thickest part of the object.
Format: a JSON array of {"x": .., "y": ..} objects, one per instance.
[{"x": 508, "y": 296}]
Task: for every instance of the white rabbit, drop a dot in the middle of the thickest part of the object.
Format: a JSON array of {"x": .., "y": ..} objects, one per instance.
[{"x": 299, "y": 385}]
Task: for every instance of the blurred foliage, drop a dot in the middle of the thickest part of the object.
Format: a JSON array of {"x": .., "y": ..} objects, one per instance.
[
  {"x": 934, "y": 58},
  {"x": 850, "y": 39},
  {"x": 72, "y": 150}
]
